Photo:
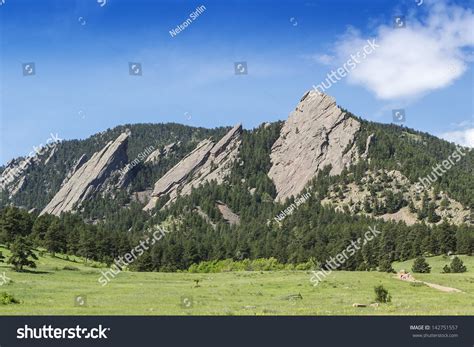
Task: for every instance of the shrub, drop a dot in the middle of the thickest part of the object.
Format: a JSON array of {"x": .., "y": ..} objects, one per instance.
[
  {"x": 381, "y": 294},
  {"x": 70, "y": 268},
  {"x": 6, "y": 299},
  {"x": 421, "y": 266},
  {"x": 446, "y": 269},
  {"x": 456, "y": 266},
  {"x": 227, "y": 265}
]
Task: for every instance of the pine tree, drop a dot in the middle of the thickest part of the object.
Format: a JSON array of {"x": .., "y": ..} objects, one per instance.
[
  {"x": 22, "y": 251},
  {"x": 54, "y": 238},
  {"x": 421, "y": 266},
  {"x": 40, "y": 227},
  {"x": 456, "y": 266}
]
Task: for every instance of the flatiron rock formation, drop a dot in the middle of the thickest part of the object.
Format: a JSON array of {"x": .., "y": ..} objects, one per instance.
[
  {"x": 316, "y": 134},
  {"x": 89, "y": 177},
  {"x": 208, "y": 161}
]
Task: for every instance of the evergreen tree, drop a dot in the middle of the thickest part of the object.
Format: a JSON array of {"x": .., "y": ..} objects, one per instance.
[
  {"x": 386, "y": 266},
  {"x": 14, "y": 222},
  {"x": 421, "y": 266},
  {"x": 54, "y": 239},
  {"x": 456, "y": 266},
  {"x": 40, "y": 227},
  {"x": 21, "y": 252}
]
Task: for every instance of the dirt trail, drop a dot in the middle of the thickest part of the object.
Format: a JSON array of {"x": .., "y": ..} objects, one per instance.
[
  {"x": 442, "y": 288},
  {"x": 409, "y": 278}
]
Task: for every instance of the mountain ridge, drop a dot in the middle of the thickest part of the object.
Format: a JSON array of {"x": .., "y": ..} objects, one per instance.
[{"x": 317, "y": 134}]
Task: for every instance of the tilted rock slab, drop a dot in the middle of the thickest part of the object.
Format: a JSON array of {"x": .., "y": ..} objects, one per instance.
[
  {"x": 89, "y": 177},
  {"x": 208, "y": 161},
  {"x": 228, "y": 215},
  {"x": 316, "y": 134}
]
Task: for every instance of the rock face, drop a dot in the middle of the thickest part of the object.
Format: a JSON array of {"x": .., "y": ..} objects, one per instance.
[
  {"x": 316, "y": 134},
  {"x": 229, "y": 216},
  {"x": 77, "y": 164},
  {"x": 208, "y": 161},
  {"x": 89, "y": 177},
  {"x": 156, "y": 155},
  {"x": 13, "y": 177}
]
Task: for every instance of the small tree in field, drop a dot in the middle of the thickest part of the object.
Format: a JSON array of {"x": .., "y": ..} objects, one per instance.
[
  {"x": 381, "y": 294},
  {"x": 421, "y": 266},
  {"x": 456, "y": 266},
  {"x": 22, "y": 251}
]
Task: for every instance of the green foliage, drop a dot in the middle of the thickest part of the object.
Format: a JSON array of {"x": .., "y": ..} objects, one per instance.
[
  {"x": 6, "y": 299},
  {"x": 70, "y": 268},
  {"x": 456, "y": 266},
  {"x": 228, "y": 265},
  {"x": 385, "y": 265},
  {"x": 14, "y": 222},
  {"x": 446, "y": 269},
  {"x": 414, "y": 154},
  {"x": 421, "y": 266},
  {"x": 381, "y": 294},
  {"x": 21, "y": 252}
]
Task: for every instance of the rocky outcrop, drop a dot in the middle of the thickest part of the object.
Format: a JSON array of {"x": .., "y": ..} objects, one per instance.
[
  {"x": 228, "y": 215},
  {"x": 316, "y": 134},
  {"x": 77, "y": 164},
  {"x": 355, "y": 196},
  {"x": 89, "y": 177},
  {"x": 368, "y": 142},
  {"x": 156, "y": 155},
  {"x": 208, "y": 161},
  {"x": 13, "y": 177}
]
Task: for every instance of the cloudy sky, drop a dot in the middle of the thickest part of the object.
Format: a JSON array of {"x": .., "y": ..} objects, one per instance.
[{"x": 81, "y": 50}]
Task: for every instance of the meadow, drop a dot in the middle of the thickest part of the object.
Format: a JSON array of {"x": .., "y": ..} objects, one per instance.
[{"x": 69, "y": 286}]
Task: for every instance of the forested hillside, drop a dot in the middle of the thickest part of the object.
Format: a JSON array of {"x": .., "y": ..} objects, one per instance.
[{"x": 240, "y": 217}]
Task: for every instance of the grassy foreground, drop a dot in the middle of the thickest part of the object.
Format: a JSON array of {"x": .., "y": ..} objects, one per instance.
[{"x": 51, "y": 290}]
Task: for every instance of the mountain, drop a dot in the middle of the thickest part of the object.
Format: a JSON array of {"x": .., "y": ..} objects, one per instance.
[
  {"x": 315, "y": 135},
  {"x": 294, "y": 190}
]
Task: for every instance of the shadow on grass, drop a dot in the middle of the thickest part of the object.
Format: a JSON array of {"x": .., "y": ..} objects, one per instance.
[{"x": 33, "y": 272}]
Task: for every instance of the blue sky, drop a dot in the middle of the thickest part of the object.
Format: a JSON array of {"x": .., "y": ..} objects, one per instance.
[{"x": 81, "y": 51}]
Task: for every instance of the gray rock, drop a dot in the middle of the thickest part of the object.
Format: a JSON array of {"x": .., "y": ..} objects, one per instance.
[
  {"x": 228, "y": 215},
  {"x": 77, "y": 164},
  {"x": 208, "y": 161},
  {"x": 316, "y": 134},
  {"x": 368, "y": 142},
  {"x": 89, "y": 177}
]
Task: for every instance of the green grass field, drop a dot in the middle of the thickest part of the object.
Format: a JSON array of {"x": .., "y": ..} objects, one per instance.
[{"x": 50, "y": 290}]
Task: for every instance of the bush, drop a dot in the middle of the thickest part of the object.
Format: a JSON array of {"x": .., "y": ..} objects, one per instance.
[
  {"x": 446, "y": 269},
  {"x": 70, "y": 268},
  {"x": 227, "y": 265},
  {"x": 421, "y": 266},
  {"x": 456, "y": 266},
  {"x": 6, "y": 299},
  {"x": 382, "y": 295}
]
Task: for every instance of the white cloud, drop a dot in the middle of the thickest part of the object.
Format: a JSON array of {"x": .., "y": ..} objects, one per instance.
[
  {"x": 428, "y": 54},
  {"x": 461, "y": 137},
  {"x": 324, "y": 59}
]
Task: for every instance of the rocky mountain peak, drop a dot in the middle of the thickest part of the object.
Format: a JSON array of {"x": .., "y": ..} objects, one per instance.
[{"x": 316, "y": 134}]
